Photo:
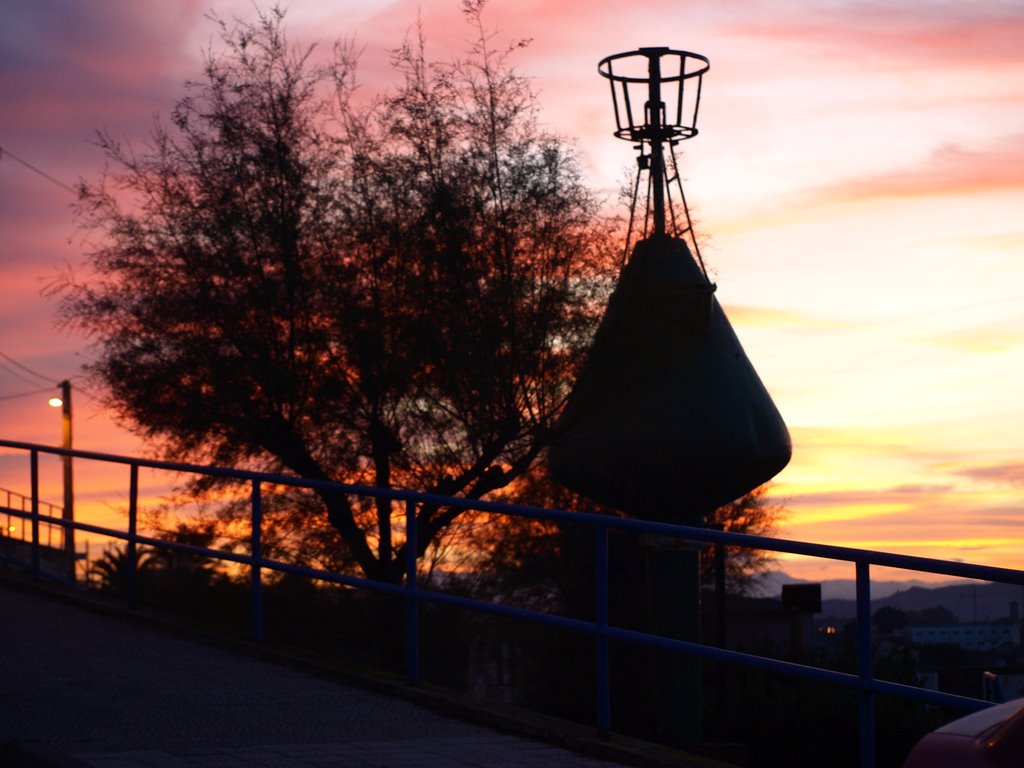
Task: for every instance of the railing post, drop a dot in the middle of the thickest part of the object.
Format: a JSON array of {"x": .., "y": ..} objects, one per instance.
[
  {"x": 133, "y": 522},
  {"x": 256, "y": 576},
  {"x": 600, "y": 626},
  {"x": 865, "y": 666},
  {"x": 720, "y": 627},
  {"x": 412, "y": 616},
  {"x": 722, "y": 671},
  {"x": 34, "y": 480}
]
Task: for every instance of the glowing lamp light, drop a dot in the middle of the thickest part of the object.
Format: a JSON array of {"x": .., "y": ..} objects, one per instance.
[{"x": 55, "y": 402}]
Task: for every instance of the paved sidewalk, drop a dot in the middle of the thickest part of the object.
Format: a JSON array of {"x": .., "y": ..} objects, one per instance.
[{"x": 80, "y": 688}]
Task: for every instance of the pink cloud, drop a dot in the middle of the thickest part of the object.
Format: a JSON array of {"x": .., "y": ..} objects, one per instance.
[
  {"x": 888, "y": 35},
  {"x": 950, "y": 170},
  {"x": 899, "y": 494},
  {"x": 956, "y": 170},
  {"x": 998, "y": 474}
]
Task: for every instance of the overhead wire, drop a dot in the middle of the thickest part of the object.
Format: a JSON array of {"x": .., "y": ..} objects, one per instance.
[
  {"x": 25, "y": 368},
  {"x": 41, "y": 377},
  {"x": 13, "y": 372},
  {"x": 25, "y": 394},
  {"x": 4, "y": 152},
  {"x": 11, "y": 367},
  {"x": 21, "y": 368}
]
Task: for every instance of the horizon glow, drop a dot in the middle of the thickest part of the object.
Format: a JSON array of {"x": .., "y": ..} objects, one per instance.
[{"x": 857, "y": 180}]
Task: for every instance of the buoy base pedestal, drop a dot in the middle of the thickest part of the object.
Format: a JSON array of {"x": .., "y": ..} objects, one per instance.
[{"x": 673, "y": 584}]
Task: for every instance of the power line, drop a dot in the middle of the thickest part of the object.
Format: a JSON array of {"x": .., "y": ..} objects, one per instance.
[
  {"x": 25, "y": 394},
  {"x": 41, "y": 377},
  {"x": 25, "y": 368},
  {"x": 17, "y": 375},
  {"x": 4, "y": 152}
]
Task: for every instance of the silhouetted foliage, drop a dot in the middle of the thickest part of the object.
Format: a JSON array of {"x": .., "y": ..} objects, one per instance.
[
  {"x": 938, "y": 614},
  {"x": 111, "y": 571},
  {"x": 524, "y": 550},
  {"x": 186, "y": 572},
  {"x": 165, "y": 577},
  {"x": 887, "y": 620},
  {"x": 394, "y": 293},
  {"x": 754, "y": 513}
]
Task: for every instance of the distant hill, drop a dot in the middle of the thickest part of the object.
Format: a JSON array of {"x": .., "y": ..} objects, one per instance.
[
  {"x": 846, "y": 589},
  {"x": 968, "y": 600}
]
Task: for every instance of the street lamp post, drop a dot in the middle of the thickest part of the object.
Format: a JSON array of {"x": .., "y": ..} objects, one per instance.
[{"x": 64, "y": 403}]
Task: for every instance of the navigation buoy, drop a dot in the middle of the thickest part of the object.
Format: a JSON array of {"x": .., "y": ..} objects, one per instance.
[{"x": 668, "y": 419}]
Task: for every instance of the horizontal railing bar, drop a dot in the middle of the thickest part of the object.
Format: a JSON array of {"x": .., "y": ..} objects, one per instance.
[
  {"x": 928, "y": 696},
  {"x": 825, "y": 551},
  {"x": 510, "y": 611},
  {"x": 28, "y": 512}
]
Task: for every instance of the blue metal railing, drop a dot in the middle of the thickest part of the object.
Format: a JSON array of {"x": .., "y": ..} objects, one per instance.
[
  {"x": 600, "y": 628},
  {"x": 12, "y": 500}
]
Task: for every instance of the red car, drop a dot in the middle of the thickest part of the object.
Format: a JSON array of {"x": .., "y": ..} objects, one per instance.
[{"x": 991, "y": 738}]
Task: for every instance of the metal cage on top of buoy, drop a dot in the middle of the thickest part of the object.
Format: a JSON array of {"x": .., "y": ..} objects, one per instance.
[
  {"x": 656, "y": 98},
  {"x": 655, "y": 76}
]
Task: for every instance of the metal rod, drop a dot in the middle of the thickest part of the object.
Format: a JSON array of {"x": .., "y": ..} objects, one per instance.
[
  {"x": 133, "y": 517},
  {"x": 865, "y": 664},
  {"x": 720, "y": 636},
  {"x": 654, "y": 121},
  {"x": 257, "y": 559},
  {"x": 34, "y": 480},
  {"x": 412, "y": 616},
  {"x": 600, "y": 624}
]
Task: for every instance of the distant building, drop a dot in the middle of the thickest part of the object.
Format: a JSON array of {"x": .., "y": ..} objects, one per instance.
[{"x": 970, "y": 637}]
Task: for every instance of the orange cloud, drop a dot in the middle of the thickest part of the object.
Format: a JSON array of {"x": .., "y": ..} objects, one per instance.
[
  {"x": 951, "y": 170},
  {"x": 765, "y": 317},
  {"x": 980, "y": 341}
]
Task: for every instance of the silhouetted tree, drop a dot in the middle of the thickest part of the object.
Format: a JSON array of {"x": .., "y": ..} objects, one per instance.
[
  {"x": 111, "y": 572},
  {"x": 192, "y": 572},
  {"x": 754, "y": 513},
  {"x": 158, "y": 568},
  {"x": 520, "y": 554},
  {"x": 395, "y": 293},
  {"x": 937, "y": 614},
  {"x": 887, "y": 620}
]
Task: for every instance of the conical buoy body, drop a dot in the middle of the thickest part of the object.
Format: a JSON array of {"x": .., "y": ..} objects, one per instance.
[{"x": 668, "y": 419}]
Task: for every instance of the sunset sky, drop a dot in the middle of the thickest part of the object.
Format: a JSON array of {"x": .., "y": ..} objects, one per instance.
[{"x": 858, "y": 177}]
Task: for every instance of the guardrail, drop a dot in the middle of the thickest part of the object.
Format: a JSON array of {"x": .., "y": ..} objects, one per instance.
[
  {"x": 599, "y": 629},
  {"x": 12, "y": 500}
]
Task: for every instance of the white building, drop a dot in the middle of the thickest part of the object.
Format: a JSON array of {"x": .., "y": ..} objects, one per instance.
[{"x": 970, "y": 637}]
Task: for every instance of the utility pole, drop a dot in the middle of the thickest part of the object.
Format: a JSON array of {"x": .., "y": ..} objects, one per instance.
[{"x": 69, "y": 492}]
